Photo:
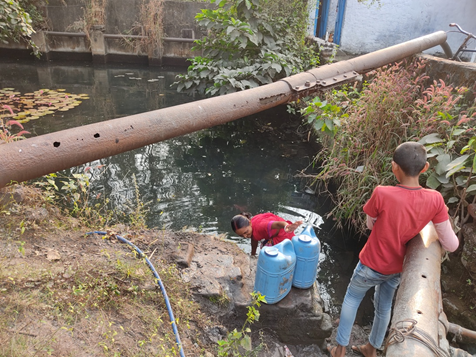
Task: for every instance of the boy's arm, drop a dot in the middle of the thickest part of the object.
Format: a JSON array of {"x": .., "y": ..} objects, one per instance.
[
  {"x": 371, "y": 208},
  {"x": 370, "y": 222},
  {"x": 447, "y": 236}
]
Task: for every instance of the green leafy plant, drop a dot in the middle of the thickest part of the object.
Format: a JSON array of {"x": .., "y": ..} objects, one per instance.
[
  {"x": 238, "y": 341},
  {"x": 138, "y": 210},
  {"x": 72, "y": 194},
  {"x": 15, "y": 24},
  {"x": 453, "y": 168},
  {"x": 33, "y": 8},
  {"x": 323, "y": 116},
  {"x": 249, "y": 43},
  {"x": 21, "y": 247},
  {"x": 395, "y": 104},
  {"x": 220, "y": 300}
]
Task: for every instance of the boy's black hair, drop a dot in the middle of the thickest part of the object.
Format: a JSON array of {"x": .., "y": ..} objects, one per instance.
[
  {"x": 411, "y": 157},
  {"x": 240, "y": 220}
]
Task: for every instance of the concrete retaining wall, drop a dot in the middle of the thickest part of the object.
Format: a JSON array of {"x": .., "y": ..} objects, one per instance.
[
  {"x": 451, "y": 72},
  {"x": 121, "y": 38}
]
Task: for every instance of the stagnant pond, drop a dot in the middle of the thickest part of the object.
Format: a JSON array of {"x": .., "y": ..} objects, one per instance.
[{"x": 197, "y": 181}]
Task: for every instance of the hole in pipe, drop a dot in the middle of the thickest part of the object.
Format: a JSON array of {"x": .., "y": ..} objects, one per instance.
[
  {"x": 419, "y": 312},
  {"x": 56, "y": 144},
  {"x": 423, "y": 276},
  {"x": 97, "y": 135}
]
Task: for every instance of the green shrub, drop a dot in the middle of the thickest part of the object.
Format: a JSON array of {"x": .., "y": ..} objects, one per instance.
[
  {"x": 249, "y": 43},
  {"x": 15, "y": 23},
  {"x": 361, "y": 127}
]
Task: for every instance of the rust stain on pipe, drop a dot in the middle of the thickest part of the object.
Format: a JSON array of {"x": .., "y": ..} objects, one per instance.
[
  {"x": 37, "y": 156},
  {"x": 34, "y": 157}
]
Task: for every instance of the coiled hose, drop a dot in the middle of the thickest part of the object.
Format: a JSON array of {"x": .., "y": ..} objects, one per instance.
[{"x": 158, "y": 281}]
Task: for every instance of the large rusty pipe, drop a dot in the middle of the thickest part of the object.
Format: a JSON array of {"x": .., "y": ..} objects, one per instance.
[
  {"x": 34, "y": 157},
  {"x": 414, "y": 330}
]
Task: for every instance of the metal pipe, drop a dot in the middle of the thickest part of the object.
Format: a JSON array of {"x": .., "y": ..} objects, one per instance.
[
  {"x": 70, "y": 34},
  {"x": 118, "y": 36},
  {"x": 447, "y": 50},
  {"x": 414, "y": 330},
  {"x": 34, "y": 157},
  {"x": 462, "y": 333},
  {"x": 166, "y": 39},
  {"x": 178, "y": 39}
]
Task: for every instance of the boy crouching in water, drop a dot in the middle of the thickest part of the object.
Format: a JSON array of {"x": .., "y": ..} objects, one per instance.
[{"x": 395, "y": 214}]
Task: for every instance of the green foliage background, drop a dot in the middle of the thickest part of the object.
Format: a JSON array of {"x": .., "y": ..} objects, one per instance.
[
  {"x": 249, "y": 43},
  {"x": 360, "y": 126},
  {"x": 16, "y": 23}
]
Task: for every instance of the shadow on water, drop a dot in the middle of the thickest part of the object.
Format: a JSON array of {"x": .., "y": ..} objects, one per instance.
[{"x": 200, "y": 180}]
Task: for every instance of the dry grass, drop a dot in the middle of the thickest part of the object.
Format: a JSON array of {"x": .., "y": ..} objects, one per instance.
[{"x": 66, "y": 294}]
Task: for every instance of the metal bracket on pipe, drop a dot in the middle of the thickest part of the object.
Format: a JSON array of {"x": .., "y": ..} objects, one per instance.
[
  {"x": 337, "y": 79},
  {"x": 307, "y": 85},
  {"x": 296, "y": 82},
  {"x": 297, "y": 86}
]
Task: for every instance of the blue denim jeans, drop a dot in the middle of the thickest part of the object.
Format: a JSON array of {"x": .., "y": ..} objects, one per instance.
[{"x": 362, "y": 280}]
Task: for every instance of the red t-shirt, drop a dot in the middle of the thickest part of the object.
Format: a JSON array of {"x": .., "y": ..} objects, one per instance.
[
  {"x": 401, "y": 214},
  {"x": 261, "y": 225}
]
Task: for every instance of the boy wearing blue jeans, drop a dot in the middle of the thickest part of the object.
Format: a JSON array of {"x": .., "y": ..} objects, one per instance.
[{"x": 395, "y": 214}]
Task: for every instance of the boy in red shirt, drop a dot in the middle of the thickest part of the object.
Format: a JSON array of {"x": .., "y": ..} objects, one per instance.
[{"x": 395, "y": 214}]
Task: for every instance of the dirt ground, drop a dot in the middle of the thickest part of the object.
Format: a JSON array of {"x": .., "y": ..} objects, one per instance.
[{"x": 65, "y": 293}]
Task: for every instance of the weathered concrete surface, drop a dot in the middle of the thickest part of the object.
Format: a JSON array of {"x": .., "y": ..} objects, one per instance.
[
  {"x": 451, "y": 72},
  {"x": 458, "y": 286},
  {"x": 119, "y": 18},
  {"x": 64, "y": 14},
  {"x": 468, "y": 256},
  {"x": 222, "y": 276}
]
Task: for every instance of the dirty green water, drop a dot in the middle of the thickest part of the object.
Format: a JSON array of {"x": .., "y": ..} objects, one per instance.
[{"x": 200, "y": 180}]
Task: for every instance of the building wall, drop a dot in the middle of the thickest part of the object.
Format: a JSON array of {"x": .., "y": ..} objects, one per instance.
[
  {"x": 110, "y": 41},
  {"x": 370, "y": 28}
]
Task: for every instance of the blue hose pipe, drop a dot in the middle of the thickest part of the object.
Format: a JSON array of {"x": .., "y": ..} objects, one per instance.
[{"x": 158, "y": 281}]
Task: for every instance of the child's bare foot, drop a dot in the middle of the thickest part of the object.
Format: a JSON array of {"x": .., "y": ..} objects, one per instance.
[
  {"x": 336, "y": 351},
  {"x": 366, "y": 350}
]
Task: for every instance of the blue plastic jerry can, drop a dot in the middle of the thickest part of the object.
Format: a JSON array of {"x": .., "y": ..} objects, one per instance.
[
  {"x": 307, "y": 248},
  {"x": 274, "y": 272}
]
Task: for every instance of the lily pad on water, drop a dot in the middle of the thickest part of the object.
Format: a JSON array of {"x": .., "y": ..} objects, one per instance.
[{"x": 36, "y": 104}]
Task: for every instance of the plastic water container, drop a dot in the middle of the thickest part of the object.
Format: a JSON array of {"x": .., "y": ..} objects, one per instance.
[
  {"x": 307, "y": 247},
  {"x": 274, "y": 272}
]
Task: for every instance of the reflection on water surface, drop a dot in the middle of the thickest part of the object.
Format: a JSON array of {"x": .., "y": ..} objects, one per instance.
[{"x": 200, "y": 180}]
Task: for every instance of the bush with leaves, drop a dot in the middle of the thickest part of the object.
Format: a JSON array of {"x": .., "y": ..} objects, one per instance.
[
  {"x": 452, "y": 152},
  {"x": 249, "y": 43},
  {"x": 395, "y": 105},
  {"x": 15, "y": 23}
]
